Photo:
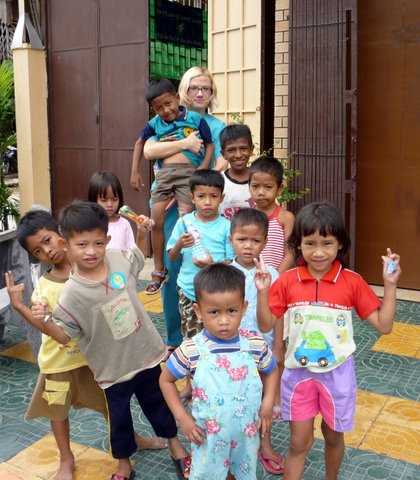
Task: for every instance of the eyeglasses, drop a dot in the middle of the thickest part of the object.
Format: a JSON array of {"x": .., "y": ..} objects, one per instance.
[{"x": 204, "y": 90}]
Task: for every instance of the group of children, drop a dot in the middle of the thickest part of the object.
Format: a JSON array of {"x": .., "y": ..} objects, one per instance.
[{"x": 247, "y": 311}]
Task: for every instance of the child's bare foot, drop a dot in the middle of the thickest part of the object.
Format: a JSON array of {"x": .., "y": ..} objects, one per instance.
[
  {"x": 150, "y": 443},
  {"x": 66, "y": 470}
]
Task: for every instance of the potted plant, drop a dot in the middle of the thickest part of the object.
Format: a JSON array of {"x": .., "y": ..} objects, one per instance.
[{"x": 8, "y": 206}]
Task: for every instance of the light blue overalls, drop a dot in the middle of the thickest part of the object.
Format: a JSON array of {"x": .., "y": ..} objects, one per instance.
[{"x": 227, "y": 392}]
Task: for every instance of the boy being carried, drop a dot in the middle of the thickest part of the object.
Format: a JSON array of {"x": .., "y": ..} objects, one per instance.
[
  {"x": 172, "y": 122},
  {"x": 99, "y": 304}
]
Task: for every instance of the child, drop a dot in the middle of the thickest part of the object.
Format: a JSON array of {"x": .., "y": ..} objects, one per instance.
[
  {"x": 224, "y": 362},
  {"x": 265, "y": 186},
  {"x": 62, "y": 369},
  {"x": 105, "y": 189},
  {"x": 171, "y": 122},
  {"x": 205, "y": 224},
  {"x": 237, "y": 148},
  {"x": 319, "y": 295},
  {"x": 248, "y": 236},
  {"x": 99, "y": 304}
]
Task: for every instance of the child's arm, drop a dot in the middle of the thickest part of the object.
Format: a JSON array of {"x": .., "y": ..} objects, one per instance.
[
  {"x": 271, "y": 384},
  {"x": 190, "y": 430},
  {"x": 40, "y": 322},
  {"x": 383, "y": 318},
  {"x": 278, "y": 346},
  {"x": 135, "y": 179},
  {"x": 208, "y": 156},
  {"x": 288, "y": 220},
  {"x": 154, "y": 150},
  {"x": 142, "y": 229},
  {"x": 185, "y": 240},
  {"x": 266, "y": 320}
]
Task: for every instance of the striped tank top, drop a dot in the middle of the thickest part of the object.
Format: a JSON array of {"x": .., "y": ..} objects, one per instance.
[{"x": 273, "y": 252}]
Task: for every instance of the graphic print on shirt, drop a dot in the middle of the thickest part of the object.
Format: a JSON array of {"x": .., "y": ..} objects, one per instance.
[
  {"x": 322, "y": 337},
  {"x": 121, "y": 316}
]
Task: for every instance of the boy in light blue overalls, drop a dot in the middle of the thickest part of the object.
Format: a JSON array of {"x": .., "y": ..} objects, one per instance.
[{"x": 225, "y": 363}]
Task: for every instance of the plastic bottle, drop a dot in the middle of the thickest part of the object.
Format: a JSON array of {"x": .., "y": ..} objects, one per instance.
[{"x": 198, "y": 251}]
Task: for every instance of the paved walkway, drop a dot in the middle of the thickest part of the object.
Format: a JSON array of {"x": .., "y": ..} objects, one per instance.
[{"x": 384, "y": 445}]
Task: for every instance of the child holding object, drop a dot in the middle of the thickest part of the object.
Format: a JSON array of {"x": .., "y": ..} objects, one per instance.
[
  {"x": 319, "y": 295},
  {"x": 100, "y": 306},
  {"x": 225, "y": 363},
  {"x": 105, "y": 189},
  {"x": 62, "y": 370}
]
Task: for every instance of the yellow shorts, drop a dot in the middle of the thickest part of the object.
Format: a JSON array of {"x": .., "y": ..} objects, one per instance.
[{"x": 55, "y": 393}]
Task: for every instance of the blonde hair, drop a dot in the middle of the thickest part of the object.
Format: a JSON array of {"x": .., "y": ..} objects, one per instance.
[{"x": 185, "y": 83}]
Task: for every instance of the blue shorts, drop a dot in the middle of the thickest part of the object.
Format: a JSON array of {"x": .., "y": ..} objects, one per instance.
[{"x": 304, "y": 394}]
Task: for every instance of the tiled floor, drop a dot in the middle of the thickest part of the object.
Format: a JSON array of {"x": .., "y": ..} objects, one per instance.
[{"x": 384, "y": 445}]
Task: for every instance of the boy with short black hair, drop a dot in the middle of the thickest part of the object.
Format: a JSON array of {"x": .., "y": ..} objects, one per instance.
[
  {"x": 99, "y": 304},
  {"x": 237, "y": 148},
  {"x": 225, "y": 363},
  {"x": 172, "y": 122},
  {"x": 206, "y": 225},
  {"x": 248, "y": 236},
  {"x": 63, "y": 371}
]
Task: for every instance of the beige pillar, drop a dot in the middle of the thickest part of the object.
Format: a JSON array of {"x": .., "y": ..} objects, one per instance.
[
  {"x": 29, "y": 63},
  {"x": 32, "y": 126}
]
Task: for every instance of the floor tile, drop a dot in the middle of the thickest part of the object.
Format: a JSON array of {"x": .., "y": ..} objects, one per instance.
[
  {"x": 402, "y": 443},
  {"x": 10, "y": 472},
  {"x": 22, "y": 351},
  {"x": 404, "y": 340},
  {"x": 42, "y": 457},
  {"x": 152, "y": 303},
  {"x": 404, "y": 413},
  {"x": 362, "y": 465},
  {"x": 386, "y": 416}
]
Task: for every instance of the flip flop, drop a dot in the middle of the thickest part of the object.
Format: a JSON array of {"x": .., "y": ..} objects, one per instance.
[
  {"x": 114, "y": 476},
  {"x": 269, "y": 463},
  {"x": 182, "y": 465}
]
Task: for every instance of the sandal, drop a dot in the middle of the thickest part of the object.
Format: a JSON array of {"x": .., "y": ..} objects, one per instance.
[
  {"x": 114, "y": 476},
  {"x": 273, "y": 464},
  {"x": 155, "y": 286},
  {"x": 183, "y": 466}
]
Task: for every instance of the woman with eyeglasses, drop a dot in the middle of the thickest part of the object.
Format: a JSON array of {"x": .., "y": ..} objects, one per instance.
[{"x": 198, "y": 93}]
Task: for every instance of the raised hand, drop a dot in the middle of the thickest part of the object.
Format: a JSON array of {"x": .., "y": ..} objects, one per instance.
[
  {"x": 15, "y": 291},
  {"x": 262, "y": 277},
  {"x": 391, "y": 267}
]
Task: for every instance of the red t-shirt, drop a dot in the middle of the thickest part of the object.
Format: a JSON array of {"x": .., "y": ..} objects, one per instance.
[{"x": 319, "y": 324}]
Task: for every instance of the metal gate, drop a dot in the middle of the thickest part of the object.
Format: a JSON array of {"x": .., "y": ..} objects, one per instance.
[
  {"x": 322, "y": 103},
  {"x": 98, "y": 67}
]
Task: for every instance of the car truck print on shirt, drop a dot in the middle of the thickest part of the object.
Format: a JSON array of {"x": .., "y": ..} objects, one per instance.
[{"x": 314, "y": 349}]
